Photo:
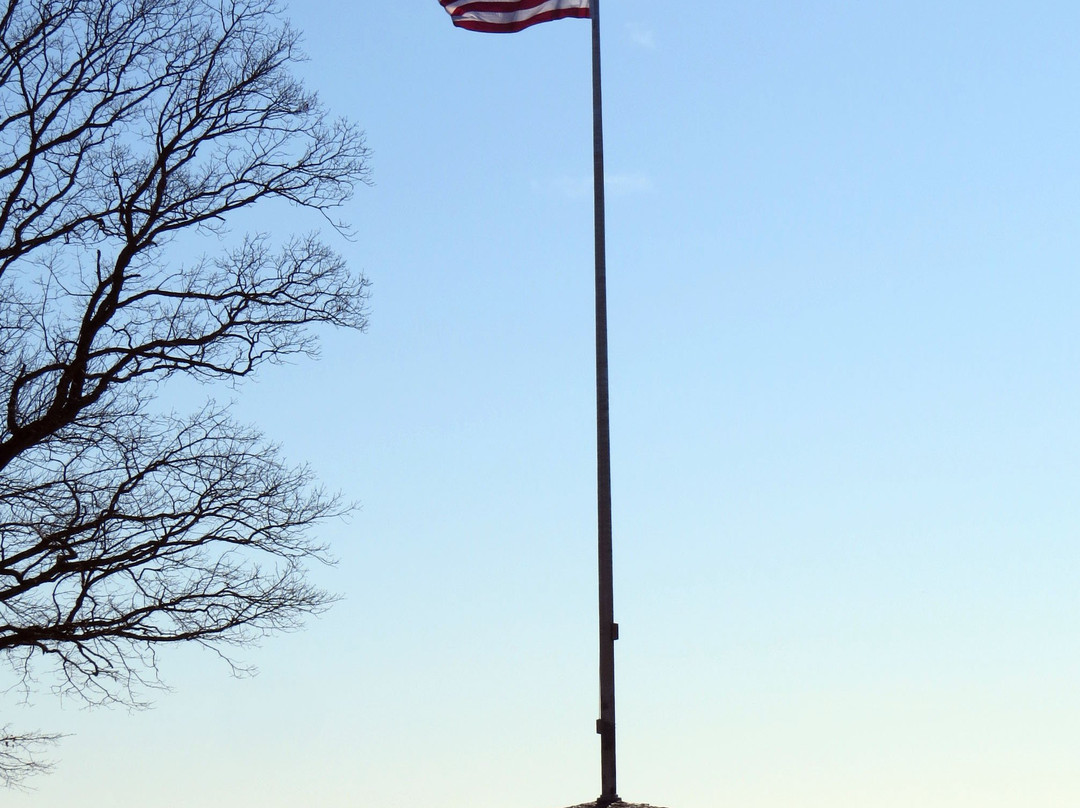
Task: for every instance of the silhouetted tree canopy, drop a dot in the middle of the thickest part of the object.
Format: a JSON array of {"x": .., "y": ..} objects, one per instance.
[{"x": 123, "y": 125}]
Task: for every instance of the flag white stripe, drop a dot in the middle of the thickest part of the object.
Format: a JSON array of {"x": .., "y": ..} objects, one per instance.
[{"x": 507, "y": 17}]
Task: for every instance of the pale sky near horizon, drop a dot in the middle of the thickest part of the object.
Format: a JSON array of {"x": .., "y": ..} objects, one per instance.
[{"x": 843, "y": 250}]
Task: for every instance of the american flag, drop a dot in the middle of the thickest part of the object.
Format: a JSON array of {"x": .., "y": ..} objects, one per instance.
[{"x": 503, "y": 17}]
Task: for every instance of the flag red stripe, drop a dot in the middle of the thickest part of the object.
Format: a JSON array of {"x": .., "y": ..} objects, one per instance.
[
  {"x": 494, "y": 6},
  {"x": 512, "y": 27},
  {"x": 508, "y": 16}
]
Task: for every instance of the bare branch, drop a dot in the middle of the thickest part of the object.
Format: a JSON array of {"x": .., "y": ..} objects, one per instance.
[{"x": 21, "y": 755}]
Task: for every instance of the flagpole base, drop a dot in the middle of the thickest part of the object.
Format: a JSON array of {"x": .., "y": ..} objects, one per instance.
[{"x": 617, "y": 803}]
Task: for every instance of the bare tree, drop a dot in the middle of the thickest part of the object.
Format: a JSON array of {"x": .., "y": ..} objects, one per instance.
[
  {"x": 124, "y": 125},
  {"x": 21, "y": 756}
]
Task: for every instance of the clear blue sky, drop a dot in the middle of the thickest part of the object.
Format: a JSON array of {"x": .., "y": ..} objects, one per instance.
[{"x": 843, "y": 253}]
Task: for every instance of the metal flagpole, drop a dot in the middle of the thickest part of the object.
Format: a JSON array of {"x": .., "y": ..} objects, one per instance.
[{"x": 609, "y": 630}]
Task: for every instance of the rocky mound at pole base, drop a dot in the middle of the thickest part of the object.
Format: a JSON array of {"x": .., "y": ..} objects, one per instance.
[{"x": 619, "y": 804}]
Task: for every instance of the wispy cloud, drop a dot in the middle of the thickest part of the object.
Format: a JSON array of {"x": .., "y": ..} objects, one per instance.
[
  {"x": 622, "y": 184},
  {"x": 641, "y": 36}
]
